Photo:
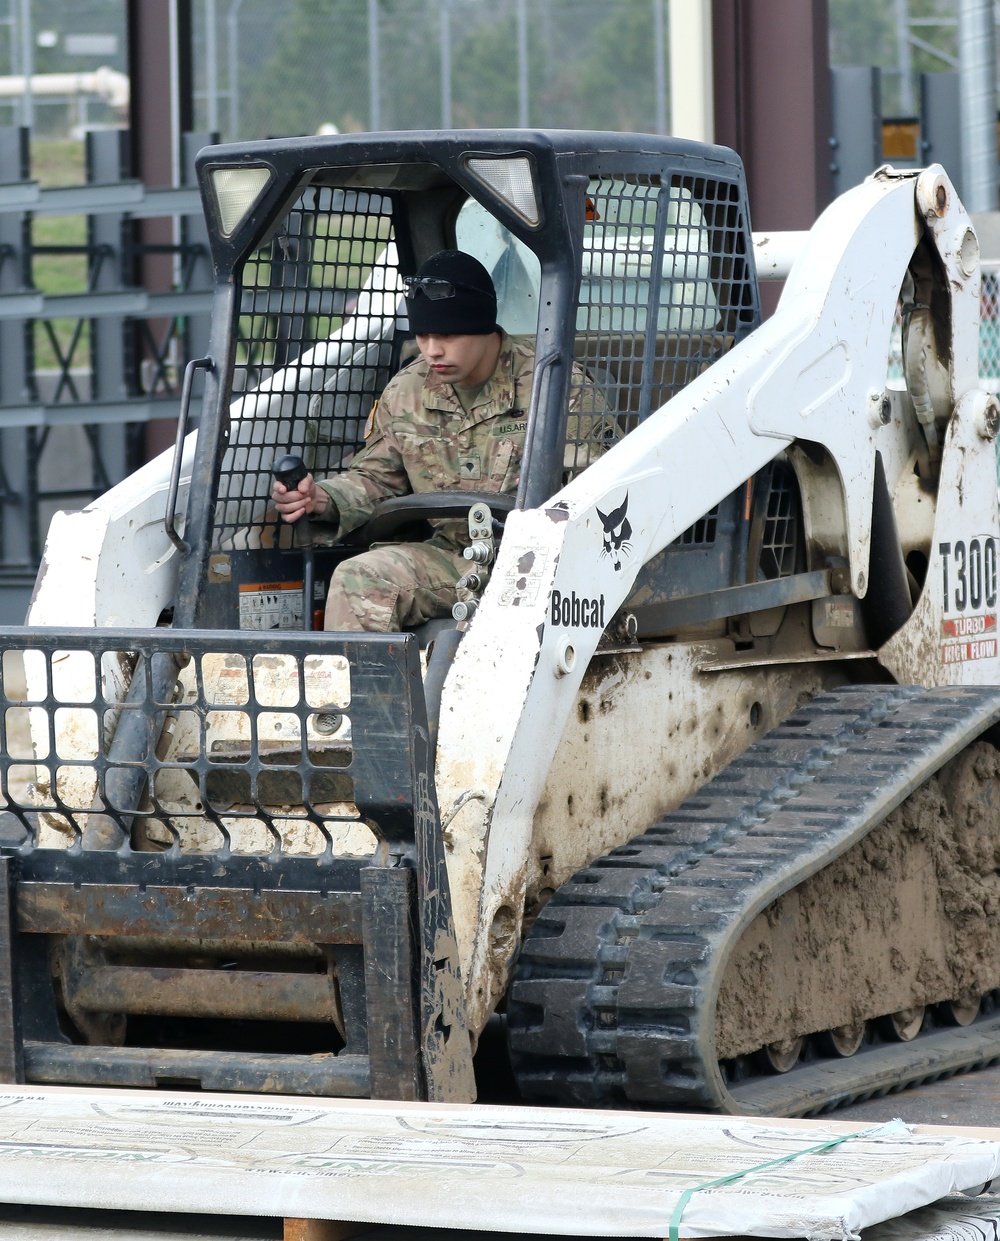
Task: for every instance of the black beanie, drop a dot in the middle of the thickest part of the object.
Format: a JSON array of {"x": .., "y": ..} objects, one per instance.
[{"x": 473, "y": 309}]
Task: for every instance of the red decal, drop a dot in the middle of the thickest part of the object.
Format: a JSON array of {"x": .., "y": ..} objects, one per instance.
[
  {"x": 969, "y": 626},
  {"x": 961, "y": 652}
]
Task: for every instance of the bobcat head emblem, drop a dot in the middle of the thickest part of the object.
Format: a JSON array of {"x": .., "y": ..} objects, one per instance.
[{"x": 617, "y": 533}]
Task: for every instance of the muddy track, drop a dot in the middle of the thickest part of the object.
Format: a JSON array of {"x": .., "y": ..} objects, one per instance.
[{"x": 654, "y": 963}]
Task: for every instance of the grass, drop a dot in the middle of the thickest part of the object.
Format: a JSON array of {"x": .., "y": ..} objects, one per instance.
[{"x": 59, "y": 162}]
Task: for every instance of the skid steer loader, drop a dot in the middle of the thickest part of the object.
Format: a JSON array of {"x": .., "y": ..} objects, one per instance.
[{"x": 699, "y": 787}]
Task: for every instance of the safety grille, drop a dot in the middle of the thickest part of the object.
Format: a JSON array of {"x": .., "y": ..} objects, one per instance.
[
  {"x": 223, "y": 743},
  {"x": 665, "y": 291},
  {"x": 702, "y": 533},
  {"x": 317, "y": 316},
  {"x": 781, "y": 524}
]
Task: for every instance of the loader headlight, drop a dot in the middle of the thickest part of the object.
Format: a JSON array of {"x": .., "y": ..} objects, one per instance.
[
  {"x": 511, "y": 178},
  {"x": 236, "y": 192}
]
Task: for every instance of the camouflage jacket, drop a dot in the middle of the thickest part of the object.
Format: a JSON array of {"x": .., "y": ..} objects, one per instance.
[{"x": 420, "y": 438}]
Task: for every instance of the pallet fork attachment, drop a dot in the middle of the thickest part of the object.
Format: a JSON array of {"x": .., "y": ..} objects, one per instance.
[{"x": 157, "y": 921}]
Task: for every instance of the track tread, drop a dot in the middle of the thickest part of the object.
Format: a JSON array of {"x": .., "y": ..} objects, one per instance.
[{"x": 657, "y": 930}]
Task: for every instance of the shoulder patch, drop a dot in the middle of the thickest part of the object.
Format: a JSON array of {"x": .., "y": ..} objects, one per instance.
[{"x": 370, "y": 424}]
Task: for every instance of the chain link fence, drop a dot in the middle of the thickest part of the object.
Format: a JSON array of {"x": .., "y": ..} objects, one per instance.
[
  {"x": 989, "y": 334},
  {"x": 268, "y": 68},
  {"x": 989, "y": 328},
  {"x": 989, "y": 341}
]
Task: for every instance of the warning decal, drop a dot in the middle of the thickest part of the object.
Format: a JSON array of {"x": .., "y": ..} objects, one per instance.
[{"x": 271, "y": 605}]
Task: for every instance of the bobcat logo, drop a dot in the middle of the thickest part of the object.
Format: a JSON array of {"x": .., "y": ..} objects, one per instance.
[{"x": 617, "y": 533}]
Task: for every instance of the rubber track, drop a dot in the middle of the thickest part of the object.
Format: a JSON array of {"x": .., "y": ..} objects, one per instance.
[{"x": 613, "y": 1000}]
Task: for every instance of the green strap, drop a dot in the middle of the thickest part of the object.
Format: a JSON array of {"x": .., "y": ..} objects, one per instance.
[{"x": 685, "y": 1198}]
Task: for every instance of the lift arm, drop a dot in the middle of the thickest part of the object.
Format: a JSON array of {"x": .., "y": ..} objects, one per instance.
[{"x": 815, "y": 371}]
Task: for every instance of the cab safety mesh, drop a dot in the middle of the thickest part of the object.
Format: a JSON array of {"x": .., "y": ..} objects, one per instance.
[
  {"x": 317, "y": 319},
  {"x": 665, "y": 291}
]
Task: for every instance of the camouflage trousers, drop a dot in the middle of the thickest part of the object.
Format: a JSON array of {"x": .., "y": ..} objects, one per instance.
[{"x": 392, "y": 588}]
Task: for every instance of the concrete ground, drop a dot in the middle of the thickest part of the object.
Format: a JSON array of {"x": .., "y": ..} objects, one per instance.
[{"x": 970, "y": 1099}]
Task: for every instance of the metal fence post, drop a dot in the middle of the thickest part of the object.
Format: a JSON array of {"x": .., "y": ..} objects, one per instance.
[
  {"x": 941, "y": 124},
  {"x": 27, "y": 65},
  {"x": 17, "y": 569},
  {"x": 978, "y": 78},
  {"x": 233, "y": 52},
  {"x": 374, "y": 68},
  {"x": 445, "y": 18},
  {"x": 660, "y": 69},
  {"x": 856, "y": 146},
  {"x": 110, "y": 238},
  {"x": 523, "y": 103}
]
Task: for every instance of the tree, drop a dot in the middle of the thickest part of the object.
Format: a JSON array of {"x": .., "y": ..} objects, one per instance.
[
  {"x": 316, "y": 71},
  {"x": 865, "y": 32}
]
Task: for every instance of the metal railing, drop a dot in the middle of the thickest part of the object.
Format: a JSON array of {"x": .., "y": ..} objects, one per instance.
[{"x": 83, "y": 371}]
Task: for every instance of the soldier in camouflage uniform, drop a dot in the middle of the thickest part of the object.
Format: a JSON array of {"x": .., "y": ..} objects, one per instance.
[{"x": 454, "y": 420}]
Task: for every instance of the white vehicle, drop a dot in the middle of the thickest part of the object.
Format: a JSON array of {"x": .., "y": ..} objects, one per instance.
[{"x": 699, "y": 794}]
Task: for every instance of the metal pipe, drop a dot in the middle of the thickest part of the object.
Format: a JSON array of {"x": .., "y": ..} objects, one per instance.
[
  {"x": 290, "y": 471},
  {"x": 109, "y": 84},
  {"x": 446, "y": 64},
  {"x": 907, "y": 106},
  {"x": 659, "y": 67},
  {"x": 137, "y": 735},
  {"x": 374, "y": 67},
  {"x": 692, "y": 104},
  {"x": 234, "y": 70},
  {"x": 438, "y": 667},
  {"x": 522, "y": 64},
  {"x": 180, "y": 992},
  {"x": 27, "y": 66},
  {"x": 175, "y": 104},
  {"x": 776, "y": 252},
  {"x": 978, "y": 103},
  {"x": 211, "y": 68},
  {"x": 196, "y": 364}
]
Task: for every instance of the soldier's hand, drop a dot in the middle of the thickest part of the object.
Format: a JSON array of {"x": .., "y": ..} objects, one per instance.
[{"x": 303, "y": 500}]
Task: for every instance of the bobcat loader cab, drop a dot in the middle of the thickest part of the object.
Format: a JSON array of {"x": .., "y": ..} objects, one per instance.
[{"x": 258, "y": 857}]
